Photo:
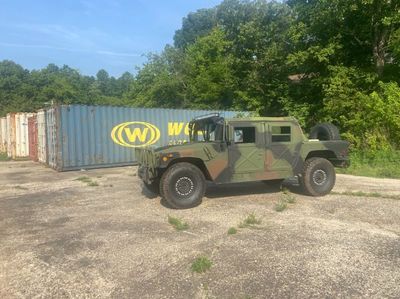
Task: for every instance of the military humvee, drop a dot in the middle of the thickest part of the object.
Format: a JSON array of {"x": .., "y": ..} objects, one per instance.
[{"x": 242, "y": 150}]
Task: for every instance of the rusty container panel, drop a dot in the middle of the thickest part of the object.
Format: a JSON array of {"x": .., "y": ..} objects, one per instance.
[
  {"x": 105, "y": 136},
  {"x": 33, "y": 138},
  {"x": 11, "y": 148},
  {"x": 51, "y": 139},
  {"x": 41, "y": 134},
  {"x": 3, "y": 135},
  {"x": 22, "y": 134}
]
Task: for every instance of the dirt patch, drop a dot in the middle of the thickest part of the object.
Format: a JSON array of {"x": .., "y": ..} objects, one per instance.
[{"x": 61, "y": 238}]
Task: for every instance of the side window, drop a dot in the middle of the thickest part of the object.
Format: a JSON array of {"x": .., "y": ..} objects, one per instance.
[
  {"x": 281, "y": 133},
  {"x": 244, "y": 135}
]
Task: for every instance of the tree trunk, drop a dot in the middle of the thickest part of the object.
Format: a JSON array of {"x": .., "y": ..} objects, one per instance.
[{"x": 379, "y": 54}]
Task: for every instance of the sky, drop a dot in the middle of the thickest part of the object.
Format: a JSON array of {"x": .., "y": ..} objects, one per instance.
[{"x": 90, "y": 35}]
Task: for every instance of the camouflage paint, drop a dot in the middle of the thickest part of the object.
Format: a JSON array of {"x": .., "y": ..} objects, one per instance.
[{"x": 262, "y": 160}]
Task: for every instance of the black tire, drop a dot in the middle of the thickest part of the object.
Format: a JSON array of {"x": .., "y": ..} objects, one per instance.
[
  {"x": 183, "y": 186},
  {"x": 318, "y": 177},
  {"x": 325, "y": 131},
  {"x": 153, "y": 187}
]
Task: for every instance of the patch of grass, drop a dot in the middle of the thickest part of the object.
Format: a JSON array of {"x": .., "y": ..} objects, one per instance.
[
  {"x": 201, "y": 264},
  {"x": 288, "y": 197},
  {"x": 177, "y": 223},
  {"x": 367, "y": 194},
  {"x": 84, "y": 179},
  {"x": 88, "y": 181},
  {"x": 250, "y": 221},
  {"x": 20, "y": 187},
  {"x": 280, "y": 206},
  {"x": 92, "y": 184},
  {"x": 4, "y": 157},
  {"x": 232, "y": 231},
  {"x": 380, "y": 164}
]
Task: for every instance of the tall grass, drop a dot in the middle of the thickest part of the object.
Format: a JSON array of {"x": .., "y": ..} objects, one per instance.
[{"x": 381, "y": 164}]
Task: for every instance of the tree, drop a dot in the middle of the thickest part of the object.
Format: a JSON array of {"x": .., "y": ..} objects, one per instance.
[
  {"x": 208, "y": 70},
  {"x": 195, "y": 25}
]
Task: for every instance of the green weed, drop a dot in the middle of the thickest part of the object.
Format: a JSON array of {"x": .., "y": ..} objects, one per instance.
[
  {"x": 201, "y": 264},
  {"x": 232, "y": 231},
  {"x": 92, "y": 184},
  {"x": 84, "y": 179},
  {"x": 367, "y": 194},
  {"x": 280, "y": 206},
  {"x": 177, "y": 223},
  {"x": 288, "y": 196},
  {"x": 250, "y": 221},
  {"x": 20, "y": 187},
  {"x": 381, "y": 164},
  {"x": 4, "y": 157}
]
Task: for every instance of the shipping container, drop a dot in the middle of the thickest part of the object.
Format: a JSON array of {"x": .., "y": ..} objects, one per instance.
[
  {"x": 11, "y": 149},
  {"x": 22, "y": 134},
  {"x": 41, "y": 133},
  {"x": 33, "y": 138},
  {"x": 105, "y": 136},
  {"x": 3, "y": 134},
  {"x": 18, "y": 137}
]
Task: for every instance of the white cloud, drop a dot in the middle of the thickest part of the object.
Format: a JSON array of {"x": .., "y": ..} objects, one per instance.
[{"x": 99, "y": 52}]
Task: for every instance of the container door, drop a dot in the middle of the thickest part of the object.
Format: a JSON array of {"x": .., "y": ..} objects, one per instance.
[
  {"x": 41, "y": 124},
  {"x": 51, "y": 137}
]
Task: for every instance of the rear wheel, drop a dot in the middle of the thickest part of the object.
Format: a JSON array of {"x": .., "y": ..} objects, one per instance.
[
  {"x": 318, "y": 177},
  {"x": 183, "y": 185}
]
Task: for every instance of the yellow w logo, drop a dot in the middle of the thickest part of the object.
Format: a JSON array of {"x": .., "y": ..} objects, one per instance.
[{"x": 135, "y": 134}]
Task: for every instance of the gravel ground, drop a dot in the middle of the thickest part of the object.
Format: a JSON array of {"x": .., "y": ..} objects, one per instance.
[{"x": 60, "y": 238}]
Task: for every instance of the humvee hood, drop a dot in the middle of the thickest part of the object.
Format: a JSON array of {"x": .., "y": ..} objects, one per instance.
[{"x": 175, "y": 147}]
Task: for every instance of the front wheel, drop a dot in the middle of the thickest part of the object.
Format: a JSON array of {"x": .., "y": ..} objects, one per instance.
[
  {"x": 318, "y": 177},
  {"x": 183, "y": 185}
]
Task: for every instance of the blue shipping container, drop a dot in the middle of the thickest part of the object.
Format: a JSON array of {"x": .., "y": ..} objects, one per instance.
[{"x": 106, "y": 136}]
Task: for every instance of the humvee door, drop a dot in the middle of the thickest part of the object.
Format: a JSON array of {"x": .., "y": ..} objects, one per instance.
[
  {"x": 246, "y": 150},
  {"x": 283, "y": 147}
]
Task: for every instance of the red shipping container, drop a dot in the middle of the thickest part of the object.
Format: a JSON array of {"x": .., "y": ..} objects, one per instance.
[{"x": 33, "y": 138}]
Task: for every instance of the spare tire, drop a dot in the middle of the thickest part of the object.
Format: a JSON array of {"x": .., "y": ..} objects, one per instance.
[{"x": 325, "y": 131}]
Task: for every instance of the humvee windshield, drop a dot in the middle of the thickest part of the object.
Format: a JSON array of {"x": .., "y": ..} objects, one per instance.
[{"x": 207, "y": 129}]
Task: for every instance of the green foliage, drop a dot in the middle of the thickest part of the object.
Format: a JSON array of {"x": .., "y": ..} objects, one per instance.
[
  {"x": 201, "y": 264},
  {"x": 384, "y": 164},
  {"x": 23, "y": 90},
  {"x": 368, "y": 194},
  {"x": 84, "y": 179},
  {"x": 250, "y": 221},
  {"x": 88, "y": 181},
  {"x": 208, "y": 68},
  {"x": 177, "y": 223},
  {"x": 320, "y": 60},
  {"x": 4, "y": 157},
  {"x": 281, "y": 205},
  {"x": 232, "y": 231}
]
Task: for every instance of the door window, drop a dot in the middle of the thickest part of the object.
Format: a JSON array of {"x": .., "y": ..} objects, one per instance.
[
  {"x": 281, "y": 133},
  {"x": 244, "y": 135}
]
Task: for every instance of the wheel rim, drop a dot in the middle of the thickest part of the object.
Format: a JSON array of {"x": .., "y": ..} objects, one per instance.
[
  {"x": 319, "y": 177},
  {"x": 184, "y": 186}
]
